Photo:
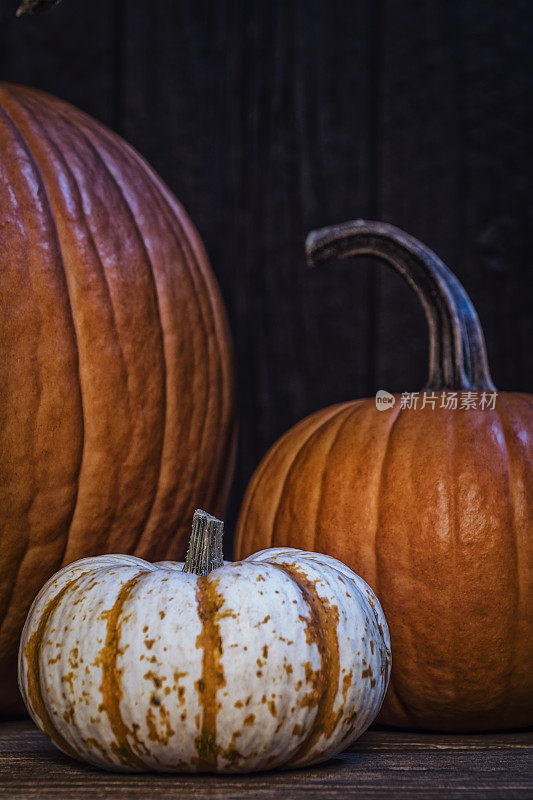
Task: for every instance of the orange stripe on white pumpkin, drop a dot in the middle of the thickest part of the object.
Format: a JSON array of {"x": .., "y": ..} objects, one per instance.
[
  {"x": 111, "y": 686},
  {"x": 321, "y": 630},
  {"x": 32, "y": 655},
  {"x": 212, "y": 677}
]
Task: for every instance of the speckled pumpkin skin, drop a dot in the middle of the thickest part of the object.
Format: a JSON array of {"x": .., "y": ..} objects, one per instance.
[
  {"x": 434, "y": 508},
  {"x": 279, "y": 660},
  {"x": 116, "y": 386}
]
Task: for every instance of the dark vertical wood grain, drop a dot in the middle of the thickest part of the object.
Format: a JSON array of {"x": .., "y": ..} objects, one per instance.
[
  {"x": 496, "y": 45},
  {"x": 68, "y": 51},
  {"x": 271, "y": 118},
  {"x": 420, "y": 172},
  {"x": 261, "y": 140},
  {"x": 457, "y": 172}
]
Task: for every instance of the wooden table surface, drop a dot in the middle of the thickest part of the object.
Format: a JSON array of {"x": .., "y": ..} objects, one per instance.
[{"x": 381, "y": 764}]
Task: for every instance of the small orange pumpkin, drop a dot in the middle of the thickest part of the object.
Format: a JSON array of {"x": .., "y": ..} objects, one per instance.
[{"x": 433, "y": 507}]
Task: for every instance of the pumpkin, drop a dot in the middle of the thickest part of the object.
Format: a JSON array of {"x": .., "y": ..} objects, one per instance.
[
  {"x": 116, "y": 390},
  {"x": 281, "y": 659},
  {"x": 432, "y": 506}
]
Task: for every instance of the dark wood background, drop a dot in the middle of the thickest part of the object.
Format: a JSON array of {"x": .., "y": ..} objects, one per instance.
[
  {"x": 381, "y": 765},
  {"x": 271, "y": 117}
]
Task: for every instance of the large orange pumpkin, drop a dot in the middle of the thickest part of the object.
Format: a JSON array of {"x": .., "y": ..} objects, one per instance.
[
  {"x": 116, "y": 394},
  {"x": 433, "y": 507}
]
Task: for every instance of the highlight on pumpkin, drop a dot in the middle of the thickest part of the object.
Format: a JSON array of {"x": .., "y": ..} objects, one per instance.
[{"x": 282, "y": 659}]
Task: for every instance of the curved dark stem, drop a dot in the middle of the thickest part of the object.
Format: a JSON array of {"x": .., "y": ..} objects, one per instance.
[
  {"x": 36, "y": 6},
  {"x": 457, "y": 353}
]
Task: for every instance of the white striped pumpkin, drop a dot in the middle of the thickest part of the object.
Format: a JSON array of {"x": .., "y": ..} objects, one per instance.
[{"x": 278, "y": 660}]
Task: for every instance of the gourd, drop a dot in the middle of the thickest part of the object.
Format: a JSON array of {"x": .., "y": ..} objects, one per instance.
[
  {"x": 116, "y": 390},
  {"x": 281, "y": 659},
  {"x": 432, "y": 506}
]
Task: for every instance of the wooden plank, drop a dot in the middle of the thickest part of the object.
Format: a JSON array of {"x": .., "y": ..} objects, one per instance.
[
  {"x": 381, "y": 764},
  {"x": 420, "y": 172},
  {"x": 391, "y": 740},
  {"x": 257, "y": 115},
  {"x": 494, "y": 42},
  {"x": 68, "y": 51},
  {"x": 456, "y": 161}
]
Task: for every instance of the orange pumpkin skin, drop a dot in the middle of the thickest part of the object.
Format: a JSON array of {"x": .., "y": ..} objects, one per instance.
[
  {"x": 116, "y": 394},
  {"x": 434, "y": 509}
]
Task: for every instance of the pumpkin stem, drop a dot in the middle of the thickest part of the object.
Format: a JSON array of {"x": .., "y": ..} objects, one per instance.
[
  {"x": 457, "y": 353},
  {"x": 35, "y": 6},
  {"x": 205, "y": 546}
]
